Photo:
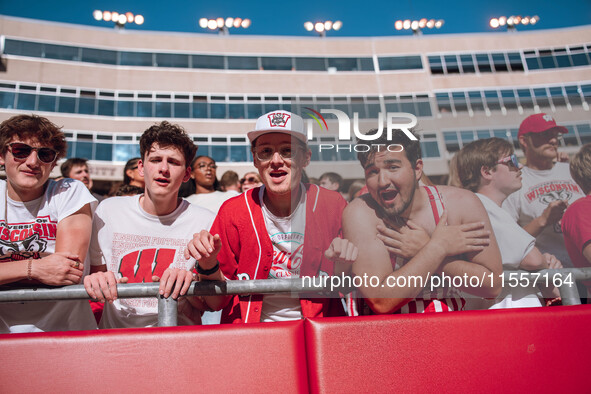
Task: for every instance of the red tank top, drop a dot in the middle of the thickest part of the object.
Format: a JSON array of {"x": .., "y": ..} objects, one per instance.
[{"x": 439, "y": 300}]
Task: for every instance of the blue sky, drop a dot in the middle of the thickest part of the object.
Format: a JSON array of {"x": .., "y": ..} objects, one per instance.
[{"x": 360, "y": 18}]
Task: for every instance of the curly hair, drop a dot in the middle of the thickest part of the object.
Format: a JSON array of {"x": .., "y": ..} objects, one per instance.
[
  {"x": 33, "y": 127},
  {"x": 167, "y": 135}
]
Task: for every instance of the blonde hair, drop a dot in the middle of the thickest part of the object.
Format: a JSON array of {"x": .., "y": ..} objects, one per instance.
[{"x": 580, "y": 168}]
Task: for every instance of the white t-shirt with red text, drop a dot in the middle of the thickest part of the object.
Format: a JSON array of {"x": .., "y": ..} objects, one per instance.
[
  {"x": 30, "y": 231},
  {"x": 287, "y": 237},
  {"x": 540, "y": 188},
  {"x": 135, "y": 244}
]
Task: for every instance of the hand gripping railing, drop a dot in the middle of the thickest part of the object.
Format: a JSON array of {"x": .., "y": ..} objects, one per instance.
[{"x": 167, "y": 307}]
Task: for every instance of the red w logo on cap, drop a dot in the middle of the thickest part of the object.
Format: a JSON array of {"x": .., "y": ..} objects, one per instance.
[{"x": 278, "y": 119}]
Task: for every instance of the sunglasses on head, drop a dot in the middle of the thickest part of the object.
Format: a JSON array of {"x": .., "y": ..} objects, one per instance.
[
  {"x": 510, "y": 160},
  {"x": 22, "y": 151}
]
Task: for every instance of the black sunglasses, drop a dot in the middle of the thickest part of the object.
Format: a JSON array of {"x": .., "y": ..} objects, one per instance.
[
  {"x": 22, "y": 151},
  {"x": 250, "y": 179}
]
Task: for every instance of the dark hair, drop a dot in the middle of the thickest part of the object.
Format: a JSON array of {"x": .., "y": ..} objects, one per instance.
[
  {"x": 36, "y": 128},
  {"x": 477, "y": 154},
  {"x": 128, "y": 190},
  {"x": 67, "y": 165},
  {"x": 131, "y": 163},
  {"x": 166, "y": 135},
  {"x": 412, "y": 148},
  {"x": 216, "y": 184}
]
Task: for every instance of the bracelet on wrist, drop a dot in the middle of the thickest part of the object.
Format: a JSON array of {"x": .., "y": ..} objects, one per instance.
[
  {"x": 210, "y": 271},
  {"x": 29, "y": 269}
]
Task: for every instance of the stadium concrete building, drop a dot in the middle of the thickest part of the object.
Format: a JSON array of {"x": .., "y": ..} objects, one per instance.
[{"x": 105, "y": 86}]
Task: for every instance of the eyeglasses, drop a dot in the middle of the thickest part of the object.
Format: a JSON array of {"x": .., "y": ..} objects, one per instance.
[
  {"x": 287, "y": 152},
  {"x": 250, "y": 179},
  {"x": 22, "y": 151},
  {"x": 204, "y": 166},
  {"x": 510, "y": 160}
]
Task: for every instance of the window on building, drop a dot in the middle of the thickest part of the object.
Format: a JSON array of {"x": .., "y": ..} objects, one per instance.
[
  {"x": 26, "y": 101},
  {"x": 499, "y": 62},
  {"x": 584, "y": 131},
  {"x": 525, "y": 98},
  {"x": 172, "y": 60},
  {"x": 435, "y": 64},
  {"x": 181, "y": 110},
  {"x": 492, "y": 100},
  {"x": 443, "y": 102},
  {"x": 573, "y": 95},
  {"x": 509, "y": 99},
  {"x": 483, "y": 63},
  {"x": 86, "y": 105},
  {"x": 476, "y": 102},
  {"x": 542, "y": 97},
  {"x": 136, "y": 59},
  {"x": 208, "y": 61},
  {"x": 277, "y": 63},
  {"x": 106, "y": 107},
  {"x": 451, "y": 140},
  {"x": 515, "y": 61},
  {"x": 343, "y": 63},
  {"x": 400, "y": 63},
  {"x": 144, "y": 109},
  {"x": 243, "y": 63},
  {"x": 546, "y": 59},
  {"x": 66, "y": 104},
  {"x": 125, "y": 108},
  {"x": 46, "y": 103},
  {"x": 100, "y": 56},
  {"x": 310, "y": 63},
  {"x": 467, "y": 63},
  {"x": 62, "y": 52},
  {"x": 163, "y": 109}
]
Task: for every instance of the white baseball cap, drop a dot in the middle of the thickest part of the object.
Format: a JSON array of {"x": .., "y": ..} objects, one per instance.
[{"x": 280, "y": 122}]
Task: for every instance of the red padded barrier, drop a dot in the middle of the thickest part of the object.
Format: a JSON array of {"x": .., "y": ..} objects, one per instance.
[
  {"x": 236, "y": 358},
  {"x": 525, "y": 350}
]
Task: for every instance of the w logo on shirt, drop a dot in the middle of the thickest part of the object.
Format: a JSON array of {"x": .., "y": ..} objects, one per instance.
[{"x": 141, "y": 265}]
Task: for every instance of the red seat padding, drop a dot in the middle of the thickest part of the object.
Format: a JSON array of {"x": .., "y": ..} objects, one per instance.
[
  {"x": 253, "y": 357},
  {"x": 519, "y": 350}
]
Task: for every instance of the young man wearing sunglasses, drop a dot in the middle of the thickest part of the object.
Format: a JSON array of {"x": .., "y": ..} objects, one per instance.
[
  {"x": 548, "y": 187},
  {"x": 45, "y": 226},
  {"x": 489, "y": 168},
  {"x": 283, "y": 229}
]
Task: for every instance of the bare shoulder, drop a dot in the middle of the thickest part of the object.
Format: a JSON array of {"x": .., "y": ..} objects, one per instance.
[
  {"x": 359, "y": 216},
  {"x": 462, "y": 205}
]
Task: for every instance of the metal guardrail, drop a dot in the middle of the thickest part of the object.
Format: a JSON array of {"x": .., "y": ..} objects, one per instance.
[{"x": 564, "y": 279}]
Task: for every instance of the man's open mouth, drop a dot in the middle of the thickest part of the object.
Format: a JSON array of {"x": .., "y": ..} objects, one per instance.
[
  {"x": 388, "y": 195},
  {"x": 278, "y": 174}
]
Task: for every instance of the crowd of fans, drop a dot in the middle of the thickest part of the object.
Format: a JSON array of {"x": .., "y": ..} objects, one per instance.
[{"x": 172, "y": 221}]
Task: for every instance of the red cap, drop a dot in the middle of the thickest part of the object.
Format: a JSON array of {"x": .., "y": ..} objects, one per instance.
[{"x": 539, "y": 123}]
